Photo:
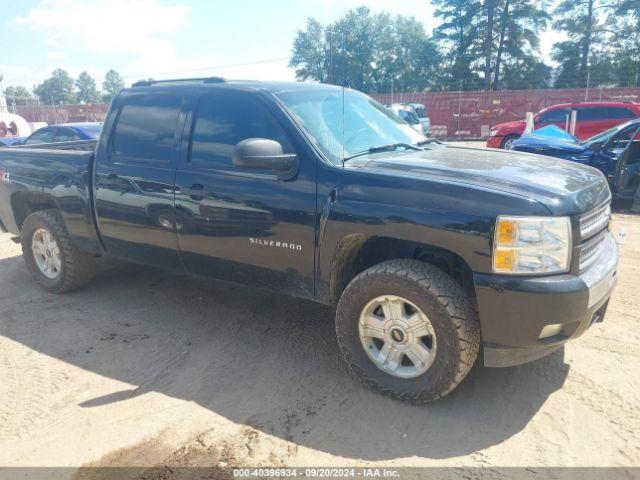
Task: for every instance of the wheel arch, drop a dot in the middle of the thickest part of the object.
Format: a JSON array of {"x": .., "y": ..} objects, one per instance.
[
  {"x": 358, "y": 252},
  {"x": 24, "y": 204}
]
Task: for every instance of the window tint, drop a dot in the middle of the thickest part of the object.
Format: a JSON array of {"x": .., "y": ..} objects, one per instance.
[
  {"x": 65, "y": 135},
  {"x": 555, "y": 116},
  {"x": 224, "y": 121},
  {"x": 586, "y": 114},
  {"x": 620, "y": 112},
  {"x": 41, "y": 136},
  {"x": 147, "y": 126}
]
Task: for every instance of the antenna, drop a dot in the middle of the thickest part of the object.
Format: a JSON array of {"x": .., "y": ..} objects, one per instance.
[{"x": 342, "y": 124}]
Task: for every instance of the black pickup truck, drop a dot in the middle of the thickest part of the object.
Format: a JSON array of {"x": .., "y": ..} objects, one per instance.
[{"x": 427, "y": 250}]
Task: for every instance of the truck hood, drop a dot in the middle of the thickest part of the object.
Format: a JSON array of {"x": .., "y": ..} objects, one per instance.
[{"x": 565, "y": 188}]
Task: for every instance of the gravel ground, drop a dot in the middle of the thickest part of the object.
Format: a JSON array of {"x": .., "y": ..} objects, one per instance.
[{"x": 143, "y": 368}]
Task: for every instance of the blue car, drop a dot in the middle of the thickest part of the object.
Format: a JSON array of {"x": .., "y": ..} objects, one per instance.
[
  {"x": 615, "y": 152},
  {"x": 65, "y": 132}
]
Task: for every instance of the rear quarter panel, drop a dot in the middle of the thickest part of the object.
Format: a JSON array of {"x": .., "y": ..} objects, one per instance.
[{"x": 62, "y": 176}]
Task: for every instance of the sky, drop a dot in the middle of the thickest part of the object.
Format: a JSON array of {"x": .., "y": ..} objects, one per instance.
[{"x": 240, "y": 39}]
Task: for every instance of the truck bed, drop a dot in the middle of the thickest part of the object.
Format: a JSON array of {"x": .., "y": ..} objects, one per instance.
[
  {"x": 84, "y": 145},
  {"x": 56, "y": 175}
]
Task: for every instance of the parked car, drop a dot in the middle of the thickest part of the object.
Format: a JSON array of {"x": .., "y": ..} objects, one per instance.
[
  {"x": 421, "y": 111},
  {"x": 65, "y": 132},
  {"x": 613, "y": 152},
  {"x": 592, "y": 118},
  {"x": 426, "y": 250},
  {"x": 408, "y": 114}
]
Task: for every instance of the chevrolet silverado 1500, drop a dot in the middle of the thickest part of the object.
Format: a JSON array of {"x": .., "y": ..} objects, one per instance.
[{"x": 426, "y": 250}]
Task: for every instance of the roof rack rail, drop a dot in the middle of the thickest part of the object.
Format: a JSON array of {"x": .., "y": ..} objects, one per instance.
[{"x": 147, "y": 83}]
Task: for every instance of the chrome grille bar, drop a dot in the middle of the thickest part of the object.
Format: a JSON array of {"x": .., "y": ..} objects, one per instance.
[
  {"x": 594, "y": 221},
  {"x": 590, "y": 253}
]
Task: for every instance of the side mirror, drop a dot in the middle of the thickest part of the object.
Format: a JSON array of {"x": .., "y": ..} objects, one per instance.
[{"x": 264, "y": 154}]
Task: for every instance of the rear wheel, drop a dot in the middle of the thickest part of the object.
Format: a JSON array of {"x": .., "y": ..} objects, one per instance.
[
  {"x": 55, "y": 263},
  {"x": 507, "y": 141},
  {"x": 408, "y": 330}
]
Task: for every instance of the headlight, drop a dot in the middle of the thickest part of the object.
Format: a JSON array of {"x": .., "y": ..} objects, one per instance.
[
  {"x": 531, "y": 245},
  {"x": 493, "y": 133}
]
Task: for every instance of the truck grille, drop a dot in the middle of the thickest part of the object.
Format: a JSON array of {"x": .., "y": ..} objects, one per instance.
[
  {"x": 594, "y": 221},
  {"x": 590, "y": 252}
]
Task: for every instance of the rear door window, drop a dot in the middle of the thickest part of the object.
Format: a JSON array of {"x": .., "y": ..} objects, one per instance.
[
  {"x": 147, "y": 128},
  {"x": 587, "y": 114},
  {"x": 66, "y": 135}
]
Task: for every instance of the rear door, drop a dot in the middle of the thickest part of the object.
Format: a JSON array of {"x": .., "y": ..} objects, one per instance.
[
  {"x": 134, "y": 179},
  {"x": 592, "y": 121},
  {"x": 241, "y": 224}
]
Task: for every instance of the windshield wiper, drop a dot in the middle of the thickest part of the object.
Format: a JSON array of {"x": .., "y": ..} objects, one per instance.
[{"x": 383, "y": 148}]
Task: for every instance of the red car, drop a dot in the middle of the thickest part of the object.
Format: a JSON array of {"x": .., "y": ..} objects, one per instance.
[{"x": 593, "y": 118}]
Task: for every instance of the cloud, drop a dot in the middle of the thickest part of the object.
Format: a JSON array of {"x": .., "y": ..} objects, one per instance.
[
  {"x": 140, "y": 33},
  {"x": 107, "y": 26}
]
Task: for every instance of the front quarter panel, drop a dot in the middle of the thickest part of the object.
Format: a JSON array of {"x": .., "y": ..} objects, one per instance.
[{"x": 362, "y": 204}]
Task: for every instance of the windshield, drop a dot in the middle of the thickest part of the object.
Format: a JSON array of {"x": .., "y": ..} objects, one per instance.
[{"x": 341, "y": 126}]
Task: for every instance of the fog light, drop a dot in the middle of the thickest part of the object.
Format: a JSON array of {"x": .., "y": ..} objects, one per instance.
[{"x": 550, "y": 330}]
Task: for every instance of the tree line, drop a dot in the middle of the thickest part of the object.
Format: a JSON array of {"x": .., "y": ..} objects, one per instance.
[
  {"x": 62, "y": 88},
  {"x": 478, "y": 45}
]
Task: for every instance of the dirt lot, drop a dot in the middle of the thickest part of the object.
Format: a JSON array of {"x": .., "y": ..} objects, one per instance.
[{"x": 145, "y": 368}]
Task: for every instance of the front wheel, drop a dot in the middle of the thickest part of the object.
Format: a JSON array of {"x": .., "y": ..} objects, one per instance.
[
  {"x": 507, "y": 142},
  {"x": 53, "y": 260},
  {"x": 408, "y": 330}
]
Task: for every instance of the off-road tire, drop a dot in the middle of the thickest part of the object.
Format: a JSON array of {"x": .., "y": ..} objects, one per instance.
[
  {"x": 77, "y": 267},
  {"x": 449, "y": 309}
]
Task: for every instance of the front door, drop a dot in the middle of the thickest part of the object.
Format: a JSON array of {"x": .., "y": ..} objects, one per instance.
[
  {"x": 608, "y": 159},
  {"x": 239, "y": 224},
  {"x": 559, "y": 117},
  {"x": 134, "y": 180}
]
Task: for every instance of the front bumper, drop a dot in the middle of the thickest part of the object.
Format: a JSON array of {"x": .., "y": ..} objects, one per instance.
[
  {"x": 495, "y": 141},
  {"x": 515, "y": 310}
]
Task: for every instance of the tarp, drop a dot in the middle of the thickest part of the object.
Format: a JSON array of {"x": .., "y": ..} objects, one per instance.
[{"x": 552, "y": 131}]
